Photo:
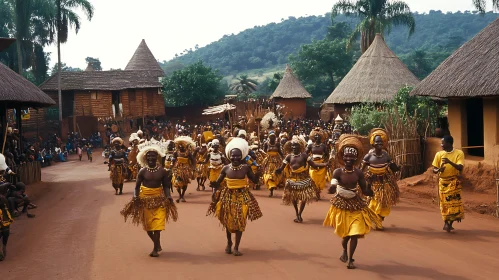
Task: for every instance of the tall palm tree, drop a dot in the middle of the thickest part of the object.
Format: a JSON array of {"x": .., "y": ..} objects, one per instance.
[
  {"x": 376, "y": 16},
  {"x": 22, "y": 16},
  {"x": 481, "y": 5},
  {"x": 65, "y": 19},
  {"x": 244, "y": 86}
]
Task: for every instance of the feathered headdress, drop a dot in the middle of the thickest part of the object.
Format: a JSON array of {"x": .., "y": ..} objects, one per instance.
[
  {"x": 266, "y": 120},
  {"x": 185, "y": 141},
  {"x": 149, "y": 146},
  {"x": 300, "y": 140},
  {"x": 117, "y": 139}
]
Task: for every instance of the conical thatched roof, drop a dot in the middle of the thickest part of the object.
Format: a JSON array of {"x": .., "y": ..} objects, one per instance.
[
  {"x": 376, "y": 77},
  {"x": 90, "y": 67},
  {"x": 16, "y": 90},
  {"x": 144, "y": 60},
  {"x": 471, "y": 71},
  {"x": 290, "y": 87}
]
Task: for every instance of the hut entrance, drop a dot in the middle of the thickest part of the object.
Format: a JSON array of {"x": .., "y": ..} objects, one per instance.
[
  {"x": 68, "y": 99},
  {"x": 474, "y": 115},
  {"x": 116, "y": 103}
]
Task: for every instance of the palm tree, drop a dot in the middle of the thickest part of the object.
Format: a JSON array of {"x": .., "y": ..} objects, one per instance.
[
  {"x": 244, "y": 86},
  {"x": 22, "y": 15},
  {"x": 376, "y": 16},
  {"x": 65, "y": 19},
  {"x": 481, "y": 5}
]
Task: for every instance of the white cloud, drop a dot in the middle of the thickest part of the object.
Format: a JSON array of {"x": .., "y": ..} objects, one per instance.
[{"x": 171, "y": 26}]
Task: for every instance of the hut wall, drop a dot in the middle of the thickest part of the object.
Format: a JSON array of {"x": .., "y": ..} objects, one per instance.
[
  {"x": 83, "y": 104},
  {"x": 293, "y": 107},
  {"x": 432, "y": 146},
  {"x": 491, "y": 131}
]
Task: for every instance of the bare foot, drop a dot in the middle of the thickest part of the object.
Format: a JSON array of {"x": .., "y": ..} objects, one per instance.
[
  {"x": 344, "y": 257},
  {"x": 228, "y": 249},
  {"x": 30, "y": 215},
  {"x": 297, "y": 220},
  {"x": 300, "y": 219},
  {"x": 178, "y": 200},
  {"x": 350, "y": 264},
  {"x": 183, "y": 199},
  {"x": 237, "y": 253},
  {"x": 154, "y": 254},
  {"x": 160, "y": 249}
]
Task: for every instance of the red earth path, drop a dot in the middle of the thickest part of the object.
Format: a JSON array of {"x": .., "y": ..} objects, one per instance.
[{"x": 78, "y": 233}]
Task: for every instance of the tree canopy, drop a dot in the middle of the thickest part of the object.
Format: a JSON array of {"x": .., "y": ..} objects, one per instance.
[{"x": 194, "y": 85}]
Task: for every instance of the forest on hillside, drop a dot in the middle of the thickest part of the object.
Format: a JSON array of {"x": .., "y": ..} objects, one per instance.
[{"x": 436, "y": 36}]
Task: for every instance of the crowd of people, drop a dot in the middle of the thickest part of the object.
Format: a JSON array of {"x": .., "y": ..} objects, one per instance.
[{"x": 301, "y": 157}]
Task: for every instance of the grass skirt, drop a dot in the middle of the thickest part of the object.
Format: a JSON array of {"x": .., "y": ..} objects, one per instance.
[
  {"x": 299, "y": 187},
  {"x": 233, "y": 207},
  {"x": 182, "y": 175},
  {"x": 386, "y": 192},
  {"x": 117, "y": 174}
]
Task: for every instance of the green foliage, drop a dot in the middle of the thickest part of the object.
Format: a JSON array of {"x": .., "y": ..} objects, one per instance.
[
  {"x": 366, "y": 116},
  {"x": 244, "y": 86},
  {"x": 194, "y": 85},
  {"x": 95, "y": 62},
  {"x": 437, "y": 33},
  {"x": 64, "y": 68}
]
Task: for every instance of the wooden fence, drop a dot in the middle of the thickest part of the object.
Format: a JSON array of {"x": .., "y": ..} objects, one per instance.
[
  {"x": 28, "y": 173},
  {"x": 407, "y": 154}
]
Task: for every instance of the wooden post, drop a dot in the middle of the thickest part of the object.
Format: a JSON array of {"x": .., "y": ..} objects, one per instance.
[
  {"x": 74, "y": 116},
  {"x": 5, "y": 124},
  {"x": 143, "y": 120},
  {"x": 19, "y": 124}
]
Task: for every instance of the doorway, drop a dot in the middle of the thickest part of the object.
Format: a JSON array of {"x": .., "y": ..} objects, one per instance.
[
  {"x": 115, "y": 97},
  {"x": 474, "y": 118}
]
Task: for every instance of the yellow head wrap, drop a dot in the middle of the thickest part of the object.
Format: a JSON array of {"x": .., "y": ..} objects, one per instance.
[
  {"x": 349, "y": 144},
  {"x": 381, "y": 133}
]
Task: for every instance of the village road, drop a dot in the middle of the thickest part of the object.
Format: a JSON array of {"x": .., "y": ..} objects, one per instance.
[{"x": 78, "y": 233}]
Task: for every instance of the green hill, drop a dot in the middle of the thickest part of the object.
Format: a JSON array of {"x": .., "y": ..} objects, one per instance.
[{"x": 269, "y": 46}]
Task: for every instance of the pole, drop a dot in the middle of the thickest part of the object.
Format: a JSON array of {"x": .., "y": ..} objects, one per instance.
[
  {"x": 19, "y": 128},
  {"x": 5, "y": 125},
  {"x": 59, "y": 91}
]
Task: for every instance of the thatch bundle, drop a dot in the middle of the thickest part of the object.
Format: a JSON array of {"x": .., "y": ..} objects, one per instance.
[
  {"x": 470, "y": 71},
  {"x": 144, "y": 60},
  {"x": 376, "y": 77},
  {"x": 290, "y": 87}
]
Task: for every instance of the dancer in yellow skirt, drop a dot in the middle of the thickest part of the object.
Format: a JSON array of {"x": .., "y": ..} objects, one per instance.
[
  {"x": 319, "y": 153},
  {"x": 216, "y": 161},
  {"x": 133, "y": 166},
  {"x": 152, "y": 205},
  {"x": 274, "y": 159},
  {"x": 449, "y": 164},
  {"x": 201, "y": 167},
  {"x": 349, "y": 213},
  {"x": 380, "y": 174},
  {"x": 299, "y": 188},
  {"x": 117, "y": 165},
  {"x": 234, "y": 204},
  {"x": 184, "y": 165}
]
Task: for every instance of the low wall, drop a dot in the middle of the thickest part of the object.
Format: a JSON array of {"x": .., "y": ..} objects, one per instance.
[
  {"x": 28, "y": 173},
  {"x": 431, "y": 147}
]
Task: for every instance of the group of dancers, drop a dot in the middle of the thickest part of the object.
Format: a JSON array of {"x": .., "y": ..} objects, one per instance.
[{"x": 364, "y": 186}]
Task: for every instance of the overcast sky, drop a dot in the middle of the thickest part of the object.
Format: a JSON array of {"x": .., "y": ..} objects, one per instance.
[{"x": 171, "y": 26}]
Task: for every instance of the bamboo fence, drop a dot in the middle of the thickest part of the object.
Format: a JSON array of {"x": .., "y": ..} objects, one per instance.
[{"x": 497, "y": 188}]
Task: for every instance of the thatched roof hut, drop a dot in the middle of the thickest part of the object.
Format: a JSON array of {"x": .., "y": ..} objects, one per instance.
[
  {"x": 144, "y": 60},
  {"x": 376, "y": 77},
  {"x": 471, "y": 71},
  {"x": 291, "y": 95},
  {"x": 290, "y": 87},
  {"x": 90, "y": 67},
  {"x": 469, "y": 78}
]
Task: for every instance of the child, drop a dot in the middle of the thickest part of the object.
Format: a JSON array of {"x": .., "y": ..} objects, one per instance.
[
  {"x": 78, "y": 150},
  {"x": 88, "y": 148}
]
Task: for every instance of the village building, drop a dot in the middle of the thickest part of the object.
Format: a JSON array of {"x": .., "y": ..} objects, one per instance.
[
  {"x": 469, "y": 79},
  {"x": 376, "y": 77},
  {"x": 292, "y": 95},
  {"x": 90, "y": 96}
]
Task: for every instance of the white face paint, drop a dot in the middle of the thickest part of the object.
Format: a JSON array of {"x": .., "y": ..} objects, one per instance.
[{"x": 350, "y": 151}]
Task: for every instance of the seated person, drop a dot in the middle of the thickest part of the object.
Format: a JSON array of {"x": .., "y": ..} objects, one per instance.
[
  {"x": 17, "y": 197},
  {"x": 5, "y": 220}
]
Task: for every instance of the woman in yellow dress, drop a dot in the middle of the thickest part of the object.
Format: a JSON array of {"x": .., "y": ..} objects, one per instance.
[
  {"x": 379, "y": 173},
  {"x": 216, "y": 161},
  {"x": 449, "y": 164},
  {"x": 201, "y": 167},
  {"x": 234, "y": 204},
  {"x": 152, "y": 205},
  {"x": 184, "y": 165},
  {"x": 274, "y": 159},
  {"x": 300, "y": 188},
  {"x": 349, "y": 213}
]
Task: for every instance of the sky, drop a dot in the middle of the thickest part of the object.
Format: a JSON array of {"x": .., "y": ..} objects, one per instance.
[{"x": 171, "y": 26}]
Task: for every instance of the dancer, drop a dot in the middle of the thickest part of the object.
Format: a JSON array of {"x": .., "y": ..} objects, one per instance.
[
  {"x": 380, "y": 175},
  {"x": 234, "y": 204},
  {"x": 202, "y": 167},
  {"x": 184, "y": 165},
  {"x": 217, "y": 160},
  {"x": 117, "y": 159},
  {"x": 274, "y": 159},
  {"x": 169, "y": 154},
  {"x": 299, "y": 188},
  {"x": 152, "y": 205},
  {"x": 349, "y": 213},
  {"x": 449, "y": 164},
  {"x": 133, "y": 166},
  {"x": 319, "y": 153}
]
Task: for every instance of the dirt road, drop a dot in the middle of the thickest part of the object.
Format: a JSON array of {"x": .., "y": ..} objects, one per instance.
[{"x": 79, "y": 234}]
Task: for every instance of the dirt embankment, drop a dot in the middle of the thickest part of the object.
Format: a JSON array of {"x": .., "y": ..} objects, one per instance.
[{"x": 479, "y": 188}]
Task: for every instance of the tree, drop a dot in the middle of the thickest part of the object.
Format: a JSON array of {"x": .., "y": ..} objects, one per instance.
[
  {"x": 244, "y": 86},
  {"x": 65, "y": 19},
  {"x": 274, "y": 82},
  {"x": 376, "y": 16},
  {"x": 64, "y": 68},
  {"x": 95, "y": 62},
  {"x": 481, "y": 5},
  {"x": 419, "y": 64},
  {"x": 323, "y": 57},
  {"x": 194, "y": 85}
]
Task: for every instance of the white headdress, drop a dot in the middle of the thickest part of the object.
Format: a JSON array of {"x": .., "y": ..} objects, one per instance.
[
  {"x": 237, "y": 143},
  {"x": 265, "y": 120},
  {"x": 3, "y": 164},
  {"x": 242, "y": 132},
  {"x": 186, "y": 141},
  {"x": 133, "y": 137},
  {"x": 139, "y": 132},
  {"x": 146, "y": 147}
]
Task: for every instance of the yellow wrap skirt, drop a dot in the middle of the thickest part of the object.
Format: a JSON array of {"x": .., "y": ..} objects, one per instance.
[
  {"x": 234, "y": 204},
  {"x": 117, "y": 175},
  {"x": 182, "y": 173},
  {"x": 299, "y": 186},
  {"x": 451, "y": 203},
  {"x": 385, "y": 188},
  {"x": 351, "y": 217},
  {"x": 319, "y": 175},
  {"x": 270, "y": 164},
  {"x": 151, "y": 209},
  {"x": 215, "y": 172}
]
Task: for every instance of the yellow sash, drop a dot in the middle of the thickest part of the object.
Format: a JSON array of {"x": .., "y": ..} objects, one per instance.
[
  {"x": 145, "y": 191},
  {"x": 183, "y": 160},
  {"x": 299, "y": 170},
  {"x": 236, "y": 183}
]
